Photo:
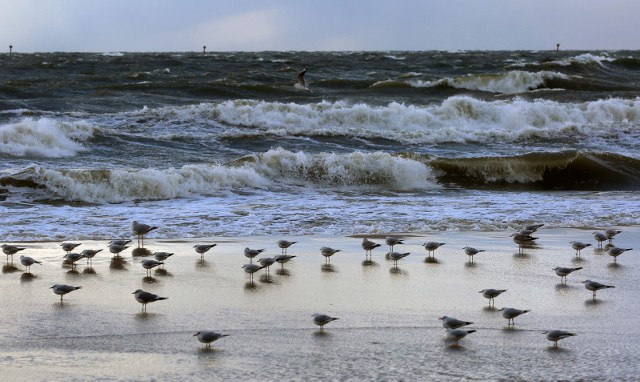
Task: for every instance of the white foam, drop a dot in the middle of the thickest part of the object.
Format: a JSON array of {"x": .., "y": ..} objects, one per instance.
[
  {"x": 44, "y": 138},
  {"x": 512, "y": 82}
]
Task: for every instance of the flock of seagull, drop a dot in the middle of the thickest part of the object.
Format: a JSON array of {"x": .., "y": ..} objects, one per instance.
[{"x": 454, "y": 327}]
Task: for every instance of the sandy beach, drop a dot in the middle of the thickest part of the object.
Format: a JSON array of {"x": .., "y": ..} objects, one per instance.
[{"x": 388, "y": 327}]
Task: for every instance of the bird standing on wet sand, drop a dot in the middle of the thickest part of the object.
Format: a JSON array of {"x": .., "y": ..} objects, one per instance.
[
  {"x": 284, "y": 245},
  {"x": 595, "y": 286},
  {"x": 146, "y": 297},
  {"x": 470, "y": 251},
  {"x": 431, "y": 247},
  {"x": 395, "y": 256},
  {"x": 62, "y": 289},
  {"x": 203, "y": 248},
  {"x": 251, "y": 253},
  {"x": 141, "y": 229},
  {"x": 491, "y": 294},
  {"x": 453, "y": 323},
  {"x": 579, "y": 246},
  {"x": 89, "y": 254},
  {"x": 207, "y": 337},
  {"x": 522, "y": 239},
  {"x": 564, "y": 272},
  {"x": 68, "y": 247},
  {"x": 283, "y": 259},
  {"x": 511, "y": 313},
  {"x": 149, "y": 264},
  {"x": 322, "y": 319},
  {"x": 327, "y": 252},
  {"x": 616, "y": 251},
  {"x": 458, "y": 334},
  {"x": 28, "y": 262},
  {"x": 251, "y": 269},
  {"x": 600, "y": 238},
  {"x": 557, "y": 335},
  {"x": 11, "y": 250},
  {"x": 71, "y": 258},
  {"x": 369, "y": 246},
  {"x": 392, "y": 241},
  {"x": 266, "y": 262},
  {"x": 611, "y": 233},
  {"x": 117, "y": 247}
]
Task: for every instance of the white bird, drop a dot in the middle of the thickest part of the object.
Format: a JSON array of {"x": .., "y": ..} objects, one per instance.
[
  {"x": 301, "y": 83},
  {"x": 72, "y": 257},
  {"x": 149, "y": 264},
  {"x": 453, "y": 323},
  {"x": 284, "y": 245},
  {"x": 563, "y": 272},
  {"x": 68, "y": 247},
  {"x": 395, "y": 256},
  {"x": 595, "y": 286},
  {"x": 617, "y": 251},
  {"x": 62, "y": 289},
  {"x": 141, "y": 229},
  {"x": 251, "y": 269},
  {"x": 322, "y": 319},
  {"x": 11, "y": 250},
  {"x": 611, "y": 233},
  {"x": 392, "y": 241},
  {"x": 251, "y": 253},
  {"x": 557, "y": 335},
  {"x": 369, "y": 246},
  {"x": 511, "y": 313},
  {"x": 283, "y": 259},
  {"x": 431, "y": 247},
  {"x": 89, "y": 254},
  {"x": 28, "y": 262},
  {"x": 470, "y": 251},
  {"x": 146, "y": 297},
  {"x": 579, "y": 246},
  {"x": 458, "y": 334},
  {"x": 203, "y": 248},
  {"x": 491, "y": 294},
  {"x": 600, "y": 238},
  {"x": 207, "y": 337},
  {"x": 327, "y": 252}
]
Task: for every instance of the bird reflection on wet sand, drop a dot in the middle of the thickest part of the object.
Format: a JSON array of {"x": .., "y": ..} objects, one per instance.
[
  {"x": 117, "y": 262},
  {"x": 328, "y": 268}
]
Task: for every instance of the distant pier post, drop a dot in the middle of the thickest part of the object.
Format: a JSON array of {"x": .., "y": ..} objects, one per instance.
[
  {"x": 557, "y": 47},
  {"x": 204, "y": 49},
  {"x": 10, "y": 50}
]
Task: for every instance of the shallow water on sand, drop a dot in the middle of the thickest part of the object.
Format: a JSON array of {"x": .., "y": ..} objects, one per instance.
[{"x": 388, "y": 327}]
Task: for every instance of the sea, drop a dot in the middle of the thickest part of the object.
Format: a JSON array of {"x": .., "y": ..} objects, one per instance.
[{"x": 223, "y": 144}]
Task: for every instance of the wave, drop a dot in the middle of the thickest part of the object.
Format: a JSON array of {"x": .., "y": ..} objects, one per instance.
[
  {"x": 273, "y": 169},
  {"x": 512, "y": 82},
  {"x": 44, "y": 138}
]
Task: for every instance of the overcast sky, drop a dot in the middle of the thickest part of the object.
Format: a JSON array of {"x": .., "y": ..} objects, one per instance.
[{"x": 254, "y": 25}]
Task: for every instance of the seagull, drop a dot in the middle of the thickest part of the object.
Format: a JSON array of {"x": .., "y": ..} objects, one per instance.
[
  {"x": 301, "y": 83},
  {"x": 68, "y": 247},
  {"x": 395, "y": 256},
  {"x": 28, "y": 262},
  {"x": 611, "y": 233},
  {"x": 162, "y": 256},
  {"x": 72, "y": 258},
  {"x": 117, "y": 247},
  {"x": 89, "y": 254},
  {"x": 600, "y": 237},
  {"x": 284, "y": 245},
  {"x": 251, "y": 253},
  {"x": 11, "y": 250},
  {"x": 149, "y": 264},
  {"x": 579, "y": 246},
  {"x": 203, "y": 248},
  {"x": 251, "y": 269},
  {"x": 511, "y": 313},
  {"x": 62, "y": 289},
  {"x": 491, "y": 294},
  {"x": 595, "y": 286},
  {"x": 327, "y": 252},
  {"x": 146, "y": 297},
  {"x": 141, "y": 229},
  {"x": 322, "y": 319},
  {"x": 453, "y": 323},
  {"x": 563, "y": 272},
  {"x": 207, "y": 337},
  {"x": 556, "y": 335},
  {"x": 283, "y": 259},
  {"x": 616, "y": 251},
  {"x": 533, "y": 227},
  {"x": 522, "y": 239},
  {"x": 431, "y": 247},
  {"x": 266, "y": 262},
  {"x": 391, "y": 241},
  {"x": 458, "y": 334},
  {"x": 470, "y": 251},
  {"x": 369, "y": 246},
  {"x": 120, "y": 242}
]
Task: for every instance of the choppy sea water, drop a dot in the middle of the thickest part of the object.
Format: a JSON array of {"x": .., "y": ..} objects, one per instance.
[
  {"x": 223, "y": 144},
  {"x": 388, "y": 327}
]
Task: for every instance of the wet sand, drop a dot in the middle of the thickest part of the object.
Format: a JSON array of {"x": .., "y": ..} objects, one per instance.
[{"x": 388, "y": 327}]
